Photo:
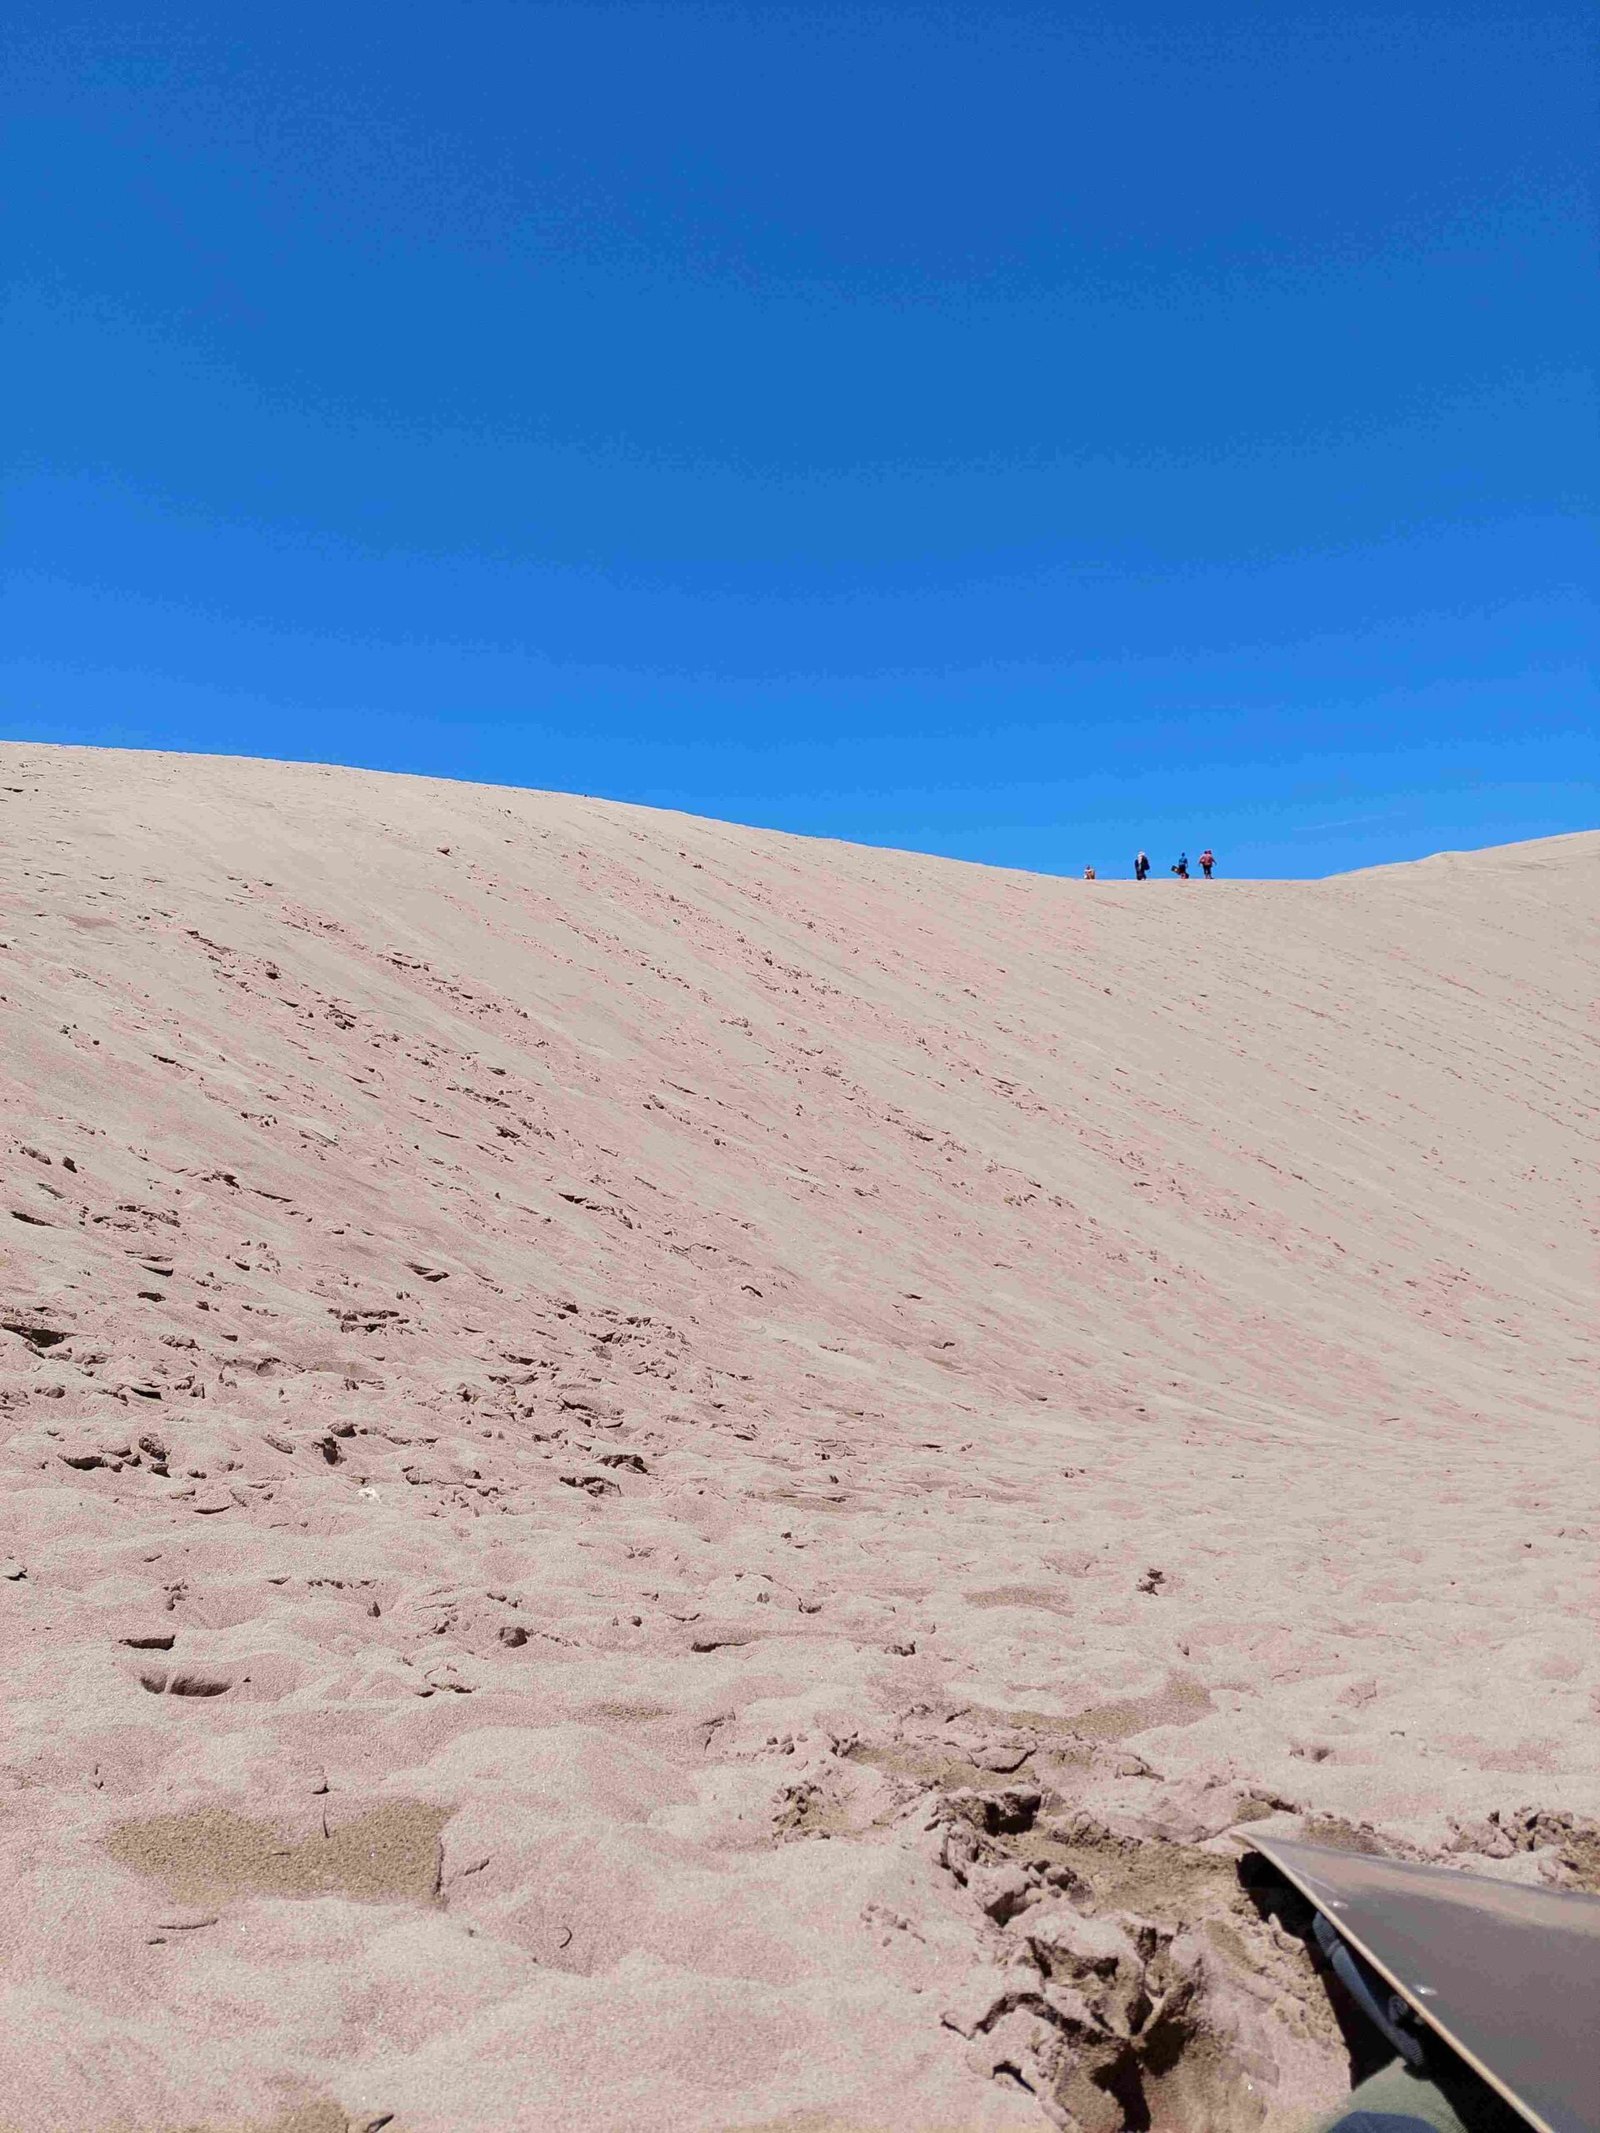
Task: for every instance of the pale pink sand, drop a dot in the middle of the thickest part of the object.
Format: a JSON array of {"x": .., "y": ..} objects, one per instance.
[{"x": 669, "y": 1354}]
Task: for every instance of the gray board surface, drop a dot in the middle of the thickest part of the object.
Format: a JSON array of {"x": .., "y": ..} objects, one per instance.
[{"x": 1508, "y": 1974}]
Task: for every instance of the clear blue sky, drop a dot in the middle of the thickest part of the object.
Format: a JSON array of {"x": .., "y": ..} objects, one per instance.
[{"x": 1021, "y": 432}]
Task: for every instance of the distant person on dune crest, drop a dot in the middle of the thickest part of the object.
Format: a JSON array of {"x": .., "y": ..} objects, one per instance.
[
  {"x": 1141, "y": 866},
  {"x": 1088, "y": 873},
  {"x": 1182, "y": 867},
  {"x": 1208, "y": 860}
]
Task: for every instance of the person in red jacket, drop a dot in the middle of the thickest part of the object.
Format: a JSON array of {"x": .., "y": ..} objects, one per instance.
[{"x": 1208, "y": 860}]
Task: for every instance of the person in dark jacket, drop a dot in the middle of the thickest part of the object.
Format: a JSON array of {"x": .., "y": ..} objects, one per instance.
[{"x": 1141, "y": 866}]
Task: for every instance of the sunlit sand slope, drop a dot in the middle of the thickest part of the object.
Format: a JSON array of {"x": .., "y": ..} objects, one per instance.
[{"x": 664, "y": 1475}]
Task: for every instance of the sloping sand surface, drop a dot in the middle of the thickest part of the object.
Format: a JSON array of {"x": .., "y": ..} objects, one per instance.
[{"x": 659, "y": 1475}]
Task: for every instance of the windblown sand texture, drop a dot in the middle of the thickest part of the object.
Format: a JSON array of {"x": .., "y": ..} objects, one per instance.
[{"x": 664, "y": 1476}]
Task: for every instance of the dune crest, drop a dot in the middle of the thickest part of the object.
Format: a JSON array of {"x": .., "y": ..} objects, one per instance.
[{"x": 769, "y": 1442}]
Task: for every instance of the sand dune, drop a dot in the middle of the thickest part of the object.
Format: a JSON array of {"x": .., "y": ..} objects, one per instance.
[{"x": 663, "y": 1475}]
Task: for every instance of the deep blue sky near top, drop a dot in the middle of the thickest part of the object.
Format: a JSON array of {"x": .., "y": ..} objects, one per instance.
[{"x": 1015, "y": 431}]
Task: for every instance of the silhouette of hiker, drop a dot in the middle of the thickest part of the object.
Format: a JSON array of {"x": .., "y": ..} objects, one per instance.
[
  {"x": 1208, "y": 860},
  {"x": 1141, "y": 866},
  {"x": 1182, "y": 867}
]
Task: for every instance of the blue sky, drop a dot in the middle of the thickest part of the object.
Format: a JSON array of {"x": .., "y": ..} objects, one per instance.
[{"x": 1016, "y": 432}]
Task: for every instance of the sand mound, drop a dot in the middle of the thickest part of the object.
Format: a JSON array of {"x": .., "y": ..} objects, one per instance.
[{"x": 664, "y": 1475}]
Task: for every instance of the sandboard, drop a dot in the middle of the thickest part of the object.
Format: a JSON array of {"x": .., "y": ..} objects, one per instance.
[{"x": 1507, "y": 1974}]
